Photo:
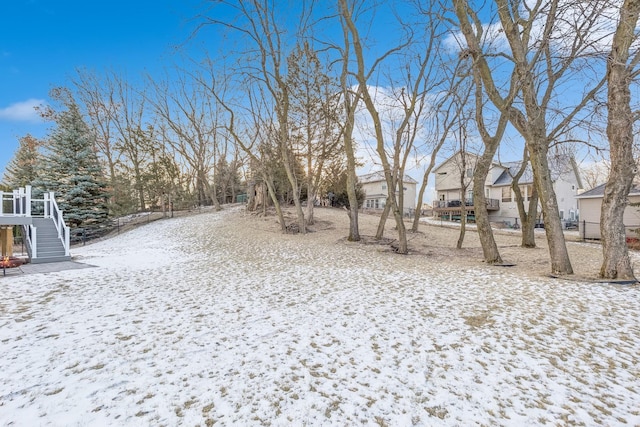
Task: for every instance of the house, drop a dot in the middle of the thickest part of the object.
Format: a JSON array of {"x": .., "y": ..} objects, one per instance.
[
  {"x": 375, "y": 187},
  {"x": 501, "y": 202},
  {"x": 590, "y": 204},
  {"x": 45, "y": 233}
]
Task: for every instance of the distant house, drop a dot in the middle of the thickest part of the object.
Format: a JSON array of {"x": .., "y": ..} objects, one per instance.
[
  {"x": 501, "y": 202},
  {"x": 375, "y": 187},
  {"x": 590, "y": 204}
]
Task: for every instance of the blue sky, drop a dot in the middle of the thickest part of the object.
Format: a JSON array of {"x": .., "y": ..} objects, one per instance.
[{"x": 43, "y": 42}]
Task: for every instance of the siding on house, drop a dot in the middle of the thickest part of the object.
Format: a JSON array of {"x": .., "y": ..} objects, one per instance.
[
  {"x": 375, "y": 187},
  {"x": 590, "y": 205}
]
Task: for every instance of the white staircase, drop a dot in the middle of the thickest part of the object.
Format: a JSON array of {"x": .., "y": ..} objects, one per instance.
[{"x": 48, "y": 243}]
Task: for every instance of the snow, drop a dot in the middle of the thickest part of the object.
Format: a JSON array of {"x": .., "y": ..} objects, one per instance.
[{"x": 209, "y": 319}]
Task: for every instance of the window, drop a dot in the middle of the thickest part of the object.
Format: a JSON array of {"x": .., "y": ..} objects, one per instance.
[
  {"x": 572, "y": 215},
  {"x": 469, "y": 172},
  {"x": 561, "y": 213},
  {"x": 377, "y": 204},
  {"x": 506, "y": 194},
  {"x": 529, "y": 191},
  {"x": 384, "y": 186}
]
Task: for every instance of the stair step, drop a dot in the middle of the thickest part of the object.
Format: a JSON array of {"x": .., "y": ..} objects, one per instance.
[
  {"x": 42, "y": 260},
  {"x": 49, "y": 246}
]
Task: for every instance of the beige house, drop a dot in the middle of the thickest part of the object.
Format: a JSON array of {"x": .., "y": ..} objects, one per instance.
[
  {"x": 590, "y": 204},
  {"x": 375, "y": 187},
  {"x": 501, "y": 202}
]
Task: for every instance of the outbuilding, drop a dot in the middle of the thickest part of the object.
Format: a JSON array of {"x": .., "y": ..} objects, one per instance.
[{"x": 590, "y": 205}]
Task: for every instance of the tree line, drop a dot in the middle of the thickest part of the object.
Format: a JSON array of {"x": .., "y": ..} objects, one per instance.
[{"x": 284, "y": 111}]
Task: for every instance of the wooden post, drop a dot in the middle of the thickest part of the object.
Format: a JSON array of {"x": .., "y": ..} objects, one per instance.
[{"x": 6, "y": 238}]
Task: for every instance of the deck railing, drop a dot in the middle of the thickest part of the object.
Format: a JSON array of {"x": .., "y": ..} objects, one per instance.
[
  {"x": 492, "y": 204},
  {"x": 16, "y": 203}
]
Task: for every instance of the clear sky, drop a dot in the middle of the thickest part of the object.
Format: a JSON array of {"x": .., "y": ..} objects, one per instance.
[{"x": 43, "y": 42}]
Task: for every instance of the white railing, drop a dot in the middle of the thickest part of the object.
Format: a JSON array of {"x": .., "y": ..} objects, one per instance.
[
  {"x": 29, "y": 232},
  {"x": 51, "y": 210},
  {"x": 19, "y": 200}
]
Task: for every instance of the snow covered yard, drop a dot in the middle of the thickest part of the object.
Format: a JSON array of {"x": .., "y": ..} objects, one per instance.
[{"x": 212, "y": 319}]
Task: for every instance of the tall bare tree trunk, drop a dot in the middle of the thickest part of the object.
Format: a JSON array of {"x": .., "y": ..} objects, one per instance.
[
  {"x": 268, "y": 179},
  {"x": 463, "y": 202},
  {"x": 383, "y": 220},
  {"x": 352, "y": 180},
  {"x": 528, "y": 216},
  {"x": 616, "y": 263},
  {"x": 528, "y": 220},
  {"x": 560, "y": 262},
  {"x": 485, "y": 233}
]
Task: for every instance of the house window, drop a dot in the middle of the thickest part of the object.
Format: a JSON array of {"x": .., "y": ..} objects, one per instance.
[
  {"x": 469, "y": 172},
  {"x": 384, "y": 186},
  {"x": 572, "y": 215},
  {"x": 529, "y": 191},
  {"x": 561, "y": 213},
  {"x": 377, "y": 204},
  {"x": 506, "y": 194}
]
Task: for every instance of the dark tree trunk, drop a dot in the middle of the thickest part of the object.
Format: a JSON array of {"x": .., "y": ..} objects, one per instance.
[
  {"x": 485, "y": 233},
  {"x": 616, "y": 263},
  {"x": 383, "y": 220}
]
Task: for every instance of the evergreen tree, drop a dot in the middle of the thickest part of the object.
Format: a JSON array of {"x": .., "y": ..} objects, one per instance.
[
  {"x": 73, "y": 171},
  {"x": 24, "y": 168}
]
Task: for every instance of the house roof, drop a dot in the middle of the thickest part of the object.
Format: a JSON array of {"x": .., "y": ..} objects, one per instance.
[
  {"x": 378, "y": 176},
  {"x": 597, "y": 192},
  {"x": 512, "y": 168}
]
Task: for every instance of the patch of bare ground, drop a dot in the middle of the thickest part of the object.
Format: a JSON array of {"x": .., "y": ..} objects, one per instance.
[{"x": 437, "y": 242}]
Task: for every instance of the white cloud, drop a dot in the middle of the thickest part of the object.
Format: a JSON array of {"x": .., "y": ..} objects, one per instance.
[{"x": 23, "y": 111}]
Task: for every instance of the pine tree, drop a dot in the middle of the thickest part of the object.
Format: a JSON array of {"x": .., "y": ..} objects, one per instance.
[
  {"x": 73, "y": 171},
  {"x": 24, "y": 168}
]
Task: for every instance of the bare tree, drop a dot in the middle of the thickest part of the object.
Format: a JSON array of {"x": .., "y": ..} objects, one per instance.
[
  {"x": 621, "y": 69},
  {"x": 253, "y": 138},
  {"x": 191, "y": 121},
  {"x": 98, "y": 98},
  {"x": 314, "y": 117},
  {"x": 363, "y": 74},
  {"x": 350, "y": 100},
  {"x": 258, "y": 22},
  {"x": 528, "y": 217},
  {"x": 546, "y": 42},
  {"x": 132, "y": 133},
  {"x": 483, "y": 165},
  {"x": 595, "y": 171},
  {"x": 442, "y": 119}
]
